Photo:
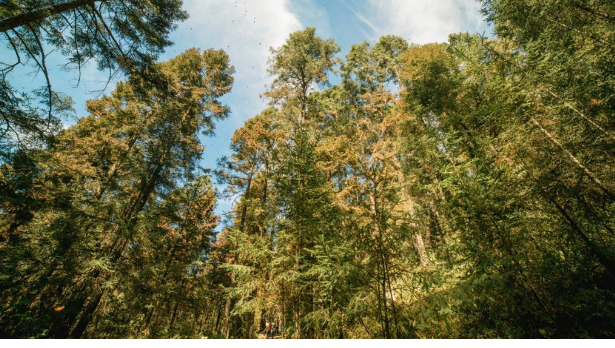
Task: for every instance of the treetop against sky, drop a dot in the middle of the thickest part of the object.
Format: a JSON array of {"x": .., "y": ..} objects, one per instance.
[{"x": 247, "y": 30}]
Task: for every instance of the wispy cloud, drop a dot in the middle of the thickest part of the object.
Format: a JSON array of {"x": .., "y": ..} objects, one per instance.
[
  {"x": 365, "y": 21},
  {"x": 245, "y": 30},
  {"x": 421, "y": 21}
]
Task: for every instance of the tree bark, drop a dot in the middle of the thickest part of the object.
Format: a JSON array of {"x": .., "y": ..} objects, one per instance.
[
  {"x": 420, "y": 249},
  {"x": 227, "y": 318},
  {"x": 175, "y": 307},
  {"x": 244, "y": 207},
  {"x": 86, "y": 316}
]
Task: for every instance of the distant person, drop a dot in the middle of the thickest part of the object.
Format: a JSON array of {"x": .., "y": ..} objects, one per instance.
[{"x": 269, "y": 331}]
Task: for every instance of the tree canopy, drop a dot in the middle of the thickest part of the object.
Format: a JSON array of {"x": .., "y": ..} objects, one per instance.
[
  {"x": 119, "y": 36},
  {"x": 447, "y": 190}
]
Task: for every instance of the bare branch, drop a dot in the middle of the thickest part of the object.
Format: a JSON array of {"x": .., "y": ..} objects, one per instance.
[
  {"x": 45, "y": 72},
  {"x": 10, "y": 68}
]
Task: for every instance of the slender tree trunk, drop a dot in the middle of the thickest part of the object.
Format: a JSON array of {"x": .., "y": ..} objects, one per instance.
[
  {"x": 218, "y": 317},
  {"x": 117, "y": 249},
  {"x": 380, "y": 242},
  {"x": 604, "y": 259},
  {"x": 177, "y": 298},
  {"x": 574, "y": 159},
  {"x": 244, "y": 206},
  {"x": 227, "y": 318},
  {"x": 112, "y": 172},
  {"x": 594, "y": 11},
  {"x": 420, "y": 249},
  {"x": 86, "y": 316},
  {"x": 393, "y": 299},
  {"x": 585, "y": 117},
  {"x": 150, "y": 312},
  {"x": 173, "y": 317},
  {"x": 379, "y": 296}
]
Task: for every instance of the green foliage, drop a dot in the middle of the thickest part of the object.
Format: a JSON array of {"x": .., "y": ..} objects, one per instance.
[
  {"x": 116, "y": 209},
  {"x": 473, "y": 203},
  {"x": 120, "y": 36},
  {"x": 452, "y": 190}
]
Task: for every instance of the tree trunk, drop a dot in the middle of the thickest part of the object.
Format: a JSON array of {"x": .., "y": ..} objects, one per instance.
[
  {"x": 603, "y": 258},
  {"x": 244, "y": 207},
  {"x": 574, "y": 159},
  {"x": 227, "y": 318},
  {"x": 421, "y": 251},
  {"x": 176, "y": 305},
  {"x": 86, "y": 316},
  {"x": 218, "y": 316},
  {"x": 380, "y": 242},
  {"x": 585, "y": 117},
  {"x": 129, "y": 218}
]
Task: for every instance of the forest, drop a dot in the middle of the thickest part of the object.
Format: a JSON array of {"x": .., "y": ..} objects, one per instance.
[{"x": 444, "y": 190}]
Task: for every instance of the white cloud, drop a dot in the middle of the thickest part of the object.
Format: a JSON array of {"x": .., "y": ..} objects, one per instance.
[
  {"x": 422, "y": 21},
  {"x": 245, "y": 30}
]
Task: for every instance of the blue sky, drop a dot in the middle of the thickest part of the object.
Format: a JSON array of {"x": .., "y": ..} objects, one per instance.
[{"x": 246, "y": 29}]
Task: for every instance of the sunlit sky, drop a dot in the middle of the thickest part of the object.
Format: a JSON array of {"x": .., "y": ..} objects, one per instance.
[{"x": 246, "y": 29}]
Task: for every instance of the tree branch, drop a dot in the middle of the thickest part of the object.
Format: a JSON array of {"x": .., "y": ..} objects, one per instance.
[{"x": 37, "y": 15}]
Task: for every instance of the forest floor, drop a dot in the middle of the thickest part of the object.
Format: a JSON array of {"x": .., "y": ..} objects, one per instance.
[{"x": 263, "y": 336}]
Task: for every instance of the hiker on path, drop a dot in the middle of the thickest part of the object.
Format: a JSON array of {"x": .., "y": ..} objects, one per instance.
[{"x": 269, "y": 331}]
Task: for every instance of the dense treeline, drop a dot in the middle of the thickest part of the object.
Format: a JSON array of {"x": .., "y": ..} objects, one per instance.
[{"x": 458, "y": 189}]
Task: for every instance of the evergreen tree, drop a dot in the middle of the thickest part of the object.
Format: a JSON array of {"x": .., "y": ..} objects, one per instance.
[{"x": 101, "y": 179}]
